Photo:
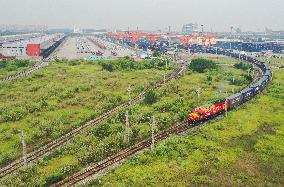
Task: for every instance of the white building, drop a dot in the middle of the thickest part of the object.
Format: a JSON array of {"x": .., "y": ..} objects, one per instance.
[
  {"x": 77, "y": 30},
  {"x": 190, "y": 28}
]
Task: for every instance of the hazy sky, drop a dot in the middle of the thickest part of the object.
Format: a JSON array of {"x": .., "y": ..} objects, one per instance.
[{"x": 217, "y": 15}]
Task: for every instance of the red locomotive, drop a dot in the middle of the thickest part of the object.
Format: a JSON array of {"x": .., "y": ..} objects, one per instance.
[{"x": 206, "y": 112}]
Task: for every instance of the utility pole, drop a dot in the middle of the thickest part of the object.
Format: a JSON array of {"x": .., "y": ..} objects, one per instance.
[
  {"x": 126, "y": 133},
  {"x": 198, "y": 90},
  {"x": 232, "y": 30},
  {"x": 167, "y": 63},
  {"x": 253, "y": 72},
  {"x": 153, "y": 132},
  {"x": 233, "y": 85},
  {"x": 129, "y": 93},
  {"x": 164, "y": 78},
  {"x": 23, "y": 137}
]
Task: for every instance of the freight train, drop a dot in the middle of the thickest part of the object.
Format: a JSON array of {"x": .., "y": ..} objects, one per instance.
[
  {"x": 250, "y": 46},
  {"x": 211, "y": 110}
]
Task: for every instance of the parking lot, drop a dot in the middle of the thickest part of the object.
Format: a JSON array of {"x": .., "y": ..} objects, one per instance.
[{"x": 82, "y": 47}]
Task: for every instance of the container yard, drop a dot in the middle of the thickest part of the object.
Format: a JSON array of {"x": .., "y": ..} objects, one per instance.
[{"x": 119, "y": 44}]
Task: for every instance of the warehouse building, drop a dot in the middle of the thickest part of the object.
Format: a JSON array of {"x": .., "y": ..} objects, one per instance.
[
  {"x": 18, "y": 37},
  {"x": 35, "y": 46}
]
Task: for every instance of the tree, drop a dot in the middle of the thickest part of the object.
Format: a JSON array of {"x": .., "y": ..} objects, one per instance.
[
  {"x": 243, "y": 66},
  {"x": 201, "y": 65},
  {"x": 151, "y": 97}
]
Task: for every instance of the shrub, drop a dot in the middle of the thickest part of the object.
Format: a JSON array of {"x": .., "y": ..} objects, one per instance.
[
  {"x": 107, "y": 66},
  {"x": 13, "y": 114},
  {"x": 102, "y": 130},
  {"x": 151, "y": 97},
  {"x": 243, "y": 66},
  {"x": 12, "y": 65},
  {"x": 156, "y": 54},
  {"x": 127, "y": 63},
  {"x": 74, "y": 63},
  {"x": 201, "y": 65}
]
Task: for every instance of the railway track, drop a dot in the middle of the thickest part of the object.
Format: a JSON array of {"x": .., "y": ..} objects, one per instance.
[
  {"x": 87, "y": 173},
  {"x": 64, "y": 139},
  {"x": 83, "y": 175}
]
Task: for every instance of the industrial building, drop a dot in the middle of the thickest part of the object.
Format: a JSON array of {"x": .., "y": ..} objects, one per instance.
[
  {"x": 31, "y": 45},
  {"x": 18, "y": 37},
  {"x": 190, "y": 28}
]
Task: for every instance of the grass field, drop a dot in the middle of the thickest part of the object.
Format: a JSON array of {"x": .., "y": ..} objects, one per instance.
[
  {"x": 273, "y": 61},
  {"x": 61, "y": 97},
  {"x": 173, "y": 104},
  {"x": 244, "y": 149}
]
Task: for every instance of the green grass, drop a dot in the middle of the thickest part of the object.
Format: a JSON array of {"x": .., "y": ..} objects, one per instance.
[
  {"x": 222, "y": 60},
  {"x": 273, "y": 61},
  {"x": 63, "y": 96},
  {"x": 173, "y": 104},
  {"x": 244, "y": 149}
]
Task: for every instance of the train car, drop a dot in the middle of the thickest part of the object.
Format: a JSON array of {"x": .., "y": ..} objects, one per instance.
[
  {"x": 256, "y": 87},
  {"x": 268, "y": 73},
  {"x": 247, "y": 93},
  {"x": 266, "y": 66},
  {"x": 201, "y": 114},
  {"x": 234, "y": 101},
  {"x": 263, "y": 82}
]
